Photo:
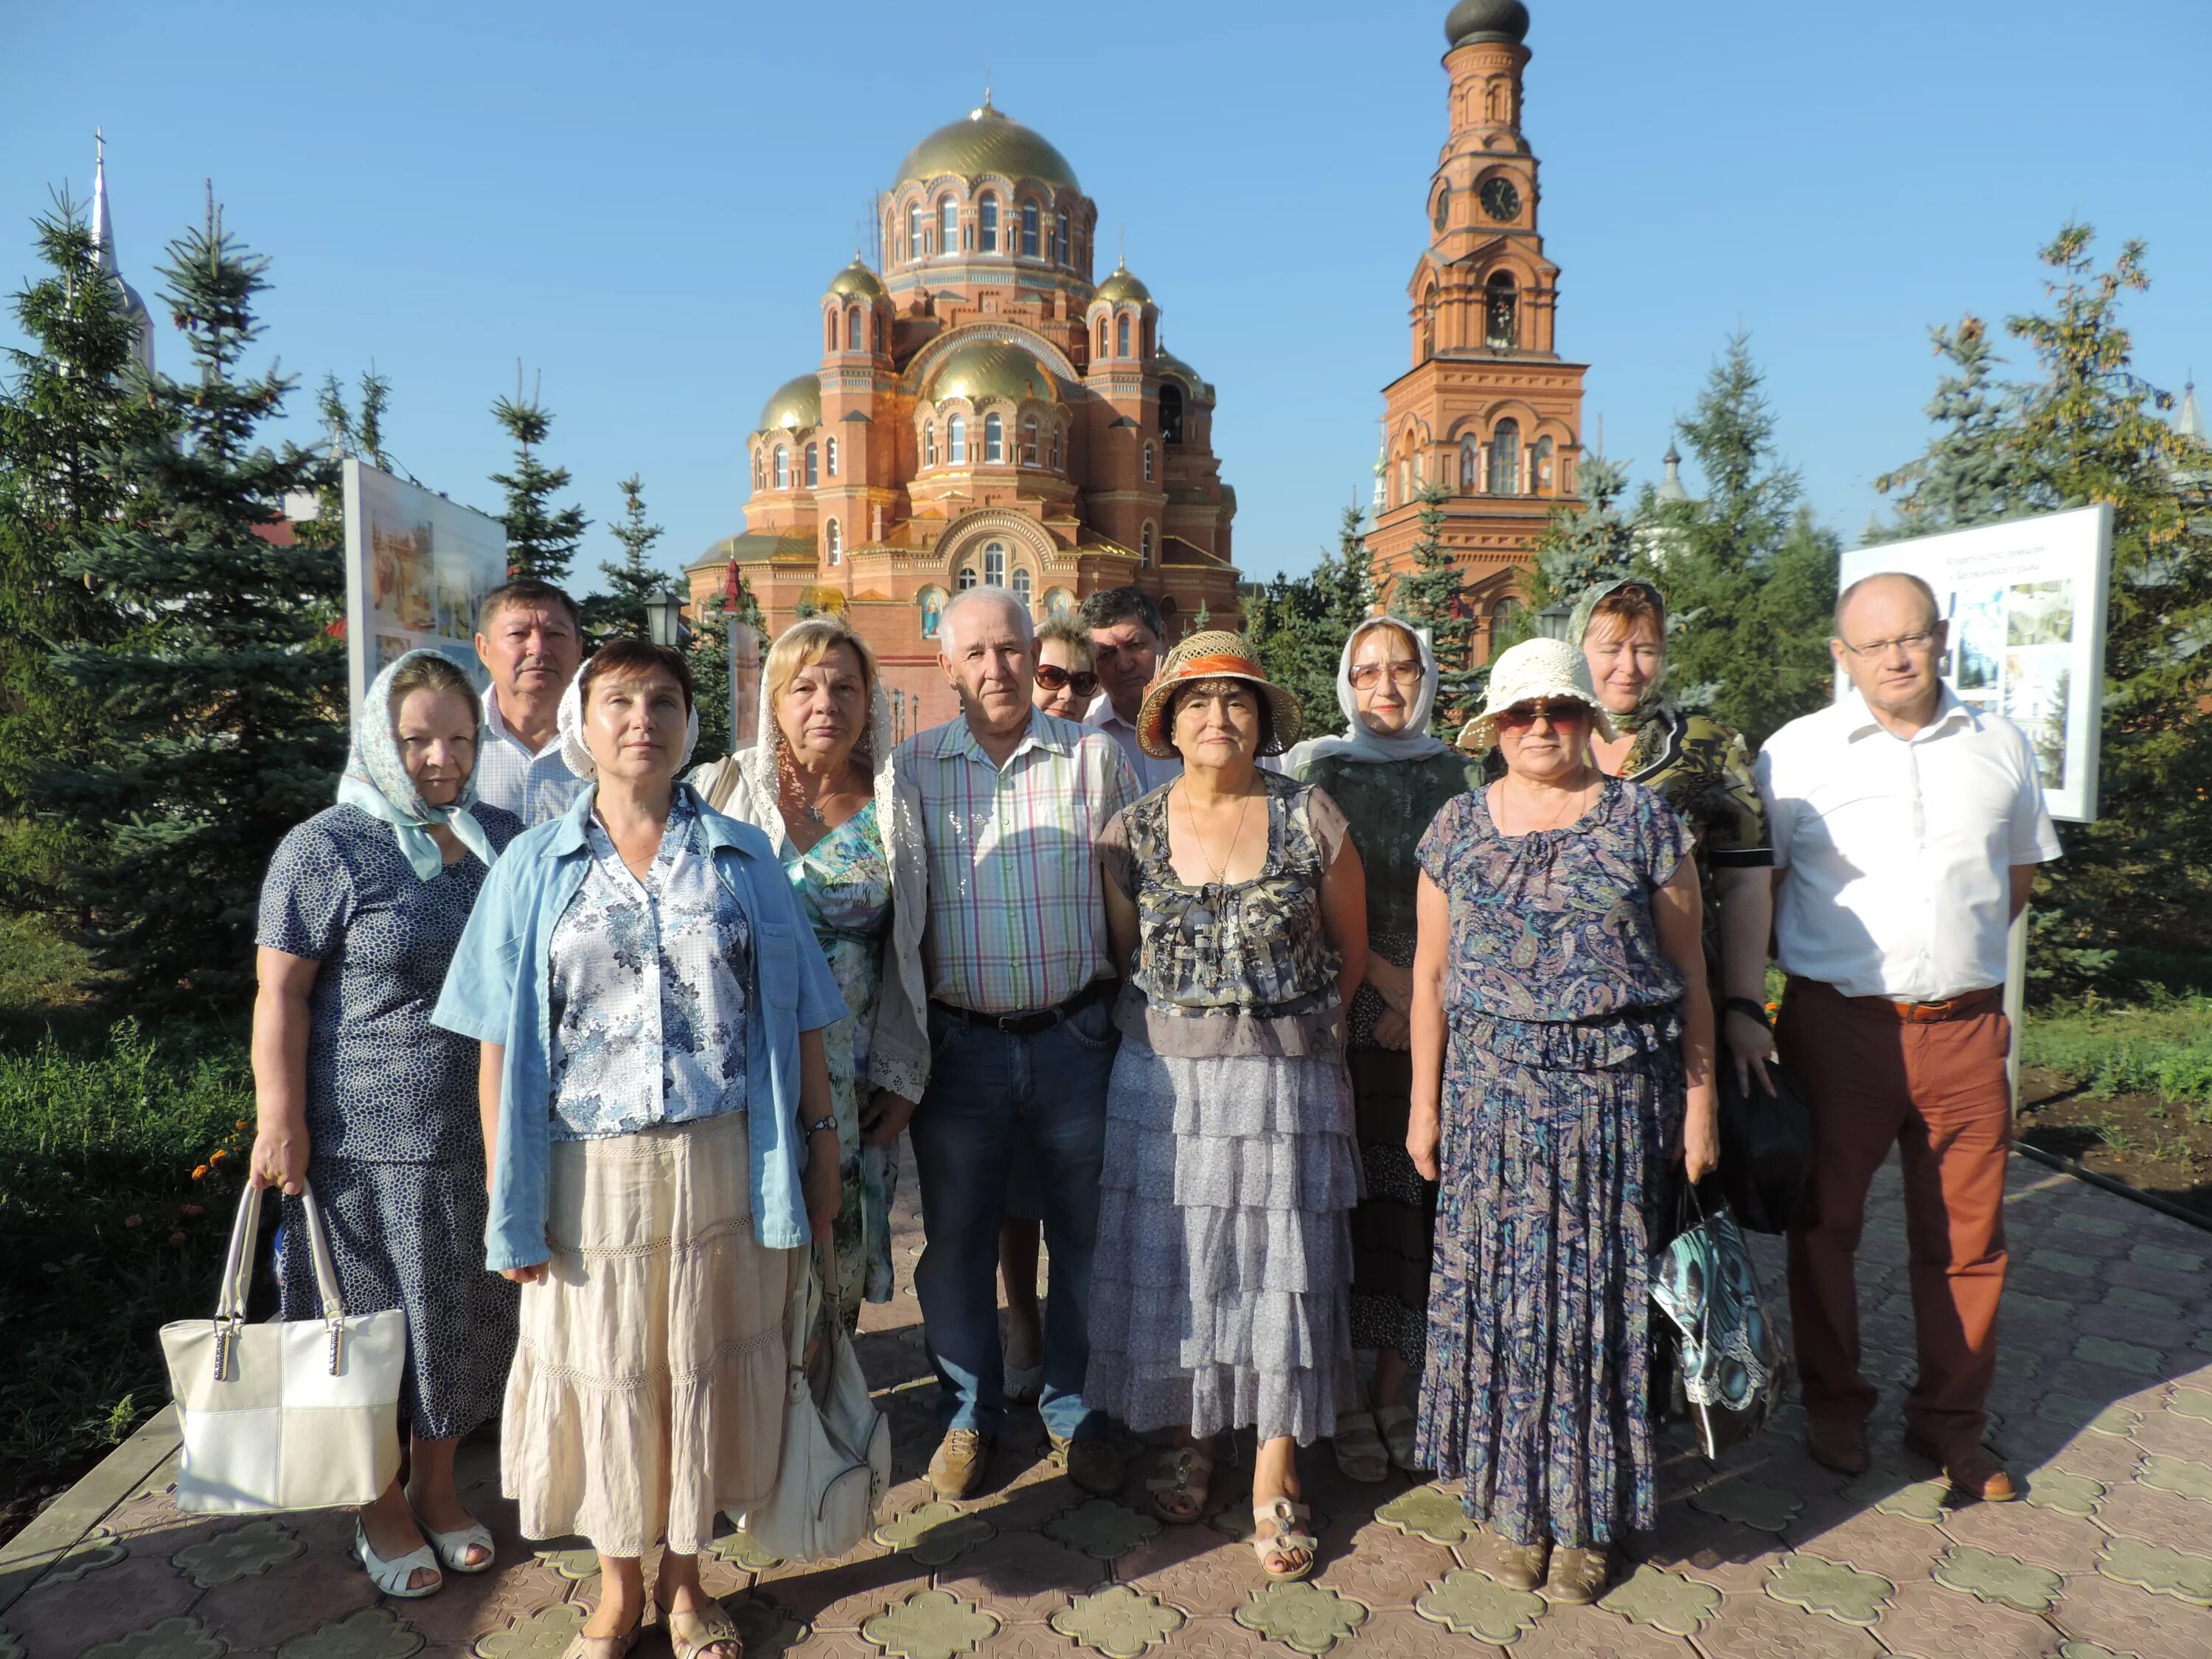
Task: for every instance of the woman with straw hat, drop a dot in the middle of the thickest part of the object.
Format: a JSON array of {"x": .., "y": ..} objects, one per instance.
[
  {"x": 1563, "y": 1057},
  {"x": 1239, "y": 911}
]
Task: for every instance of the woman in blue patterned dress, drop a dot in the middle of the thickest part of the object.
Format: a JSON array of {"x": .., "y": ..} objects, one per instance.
[
  {"x": 1561, "y": 1041},
  {"x": 361, "y": 1097},
  {"x": 817, "y": 782}
]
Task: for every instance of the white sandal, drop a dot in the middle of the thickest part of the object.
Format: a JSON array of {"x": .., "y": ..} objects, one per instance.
[
  {"x": 1399, "y": 1429},
  {"x": 392, "y": 1576},
  {"x": 453, "y": 1546}
]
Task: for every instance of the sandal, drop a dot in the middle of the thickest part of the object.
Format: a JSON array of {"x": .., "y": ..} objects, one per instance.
[
  {"x": 1398, "y": 1425},
  {"x": 453, "y": 1546},
  {"x": 691, "y": 1634},
  {"x": 1360, "y": 1450},
  {"x": 1180, "y": 1483},
  {"x": 392, "y": 1576},
  {"x": 1288, "y": 1541},
  {"x": 606, "y": 1647},
  {"x": 1516, "y": 1566}
]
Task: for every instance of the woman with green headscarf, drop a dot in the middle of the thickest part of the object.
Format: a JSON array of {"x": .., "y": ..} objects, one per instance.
[{"x": 1704, "y": 772}]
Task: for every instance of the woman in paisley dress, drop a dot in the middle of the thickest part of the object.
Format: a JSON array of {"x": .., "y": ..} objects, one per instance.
[
  {"x": 1236, "y": 904},
  {"x": 818, "y": 783},
  {"x": 1562, "y": 1052},
  {"x": 1388, "y": 775},
  {"x": 1704, "y": 771}
]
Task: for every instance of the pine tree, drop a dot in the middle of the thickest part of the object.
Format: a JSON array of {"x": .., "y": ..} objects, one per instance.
[
  {"x": 1297, "y": 625},
  {"x": 1433, "y": 595},
  {"x": 541, "y": 538},
  {"x": 708, "y": 649},
  {"x": 74, "y": 397},
  {"x": 1970, "y": 474},
  {"x": 630, "y": 580},
  {"x": 221, "y": 687}
]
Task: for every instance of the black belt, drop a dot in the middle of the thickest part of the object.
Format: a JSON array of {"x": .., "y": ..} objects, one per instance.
[{"x": 1029, "y": 1025}]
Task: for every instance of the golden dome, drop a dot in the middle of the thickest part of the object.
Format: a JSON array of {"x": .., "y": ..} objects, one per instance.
[
  {"x": 985, "y": 142},
  {"x": 990, "y": 368},
  {"x": 795, "y": 406},
  {"x": 857, "y": 280},
  {"x": 1167, "y": 364},
  {"x": 1119, "y": 287}
]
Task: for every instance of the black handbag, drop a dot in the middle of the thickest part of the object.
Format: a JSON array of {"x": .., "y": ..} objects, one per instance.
[{"x": 1766, "y": 1149}]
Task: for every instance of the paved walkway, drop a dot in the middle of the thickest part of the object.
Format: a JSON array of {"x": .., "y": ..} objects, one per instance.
[{"x": 2105, "y": 1402}]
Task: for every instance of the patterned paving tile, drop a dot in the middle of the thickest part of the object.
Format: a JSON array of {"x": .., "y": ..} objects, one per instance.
[
  {"x": 2068, "y": 1494},
  {"x": 1924, "y": 1622},
  {"x": 1024, "y": 1576},
  {"x": 935, "y": 1533},
  {"x": 372, "y": 1633},
  {"x": 172, "y": 1638},
  {"x": 1118, "y": 1621},
  {"x": 929, "y": 1624},
  {"x": 2156, "y": 1568},
  {"x": 1380, "y": 1573},
  {"x": 1665, "y": 1600},
  {"x": 1760, "y": 1627},
  {"x": 1803, "y": 1580},
  {"x": 2094, "y": 1608},
  {"x": 544, "y": 1634},
  {"x": 1306, "y": 1617},
  {"x": 1426, "y": 1512},
  {"x": 1748, "y": 1503},
  {"x": 1576, "y": 1633},
  {"x": 252, "y": 1548},
  {"x": 65, "y": 1619},
  {"x": 267, "y": 1610},
  {"x": 1103, "y": 1528},
  {"x": 2002, "y": 1579}
]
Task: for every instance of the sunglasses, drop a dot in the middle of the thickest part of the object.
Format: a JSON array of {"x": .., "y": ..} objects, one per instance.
[
  {"x": 1055, "y": 679},
  {"x": 1558, "y": 711}
]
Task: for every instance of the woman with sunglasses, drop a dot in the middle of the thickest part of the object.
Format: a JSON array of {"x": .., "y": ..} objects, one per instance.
[
  {"x": 1066, "y": 681},
  {"x": 1389, "y": 776},
  {"x": 1563, "y": 1059}
]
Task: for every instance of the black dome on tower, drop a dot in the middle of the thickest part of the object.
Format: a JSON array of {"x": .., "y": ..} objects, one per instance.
[{"x": 1486, "y": 20}]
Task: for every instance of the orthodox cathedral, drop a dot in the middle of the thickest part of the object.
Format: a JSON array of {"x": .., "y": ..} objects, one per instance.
[
  {"x": 983, "y": 412},
  {"x": 1488, "y": 410}
]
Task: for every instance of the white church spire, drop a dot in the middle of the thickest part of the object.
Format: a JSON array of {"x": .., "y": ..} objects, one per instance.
[{"x": 103, "y": 237}]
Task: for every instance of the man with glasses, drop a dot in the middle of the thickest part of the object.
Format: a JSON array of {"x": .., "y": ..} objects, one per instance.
[
  {"x": 1907, "y": 826},
  {"x": 1126, "y": 634}
]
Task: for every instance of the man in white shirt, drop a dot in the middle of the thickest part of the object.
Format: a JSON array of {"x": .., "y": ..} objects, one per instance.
[
  {"x": 531, "y": 640},
  {"x": 1907, "y": 826},
  {"x": 1126, "y": 633}
]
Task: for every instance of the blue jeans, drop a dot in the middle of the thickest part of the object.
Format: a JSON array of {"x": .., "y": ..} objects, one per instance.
[{"x": 987, "y": 1089}]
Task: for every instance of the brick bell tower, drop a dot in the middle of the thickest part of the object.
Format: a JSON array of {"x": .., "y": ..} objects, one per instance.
[{"x": 1488, "y": 409}]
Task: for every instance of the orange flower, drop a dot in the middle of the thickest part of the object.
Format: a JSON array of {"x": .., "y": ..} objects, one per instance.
[
  {"x": 217, "y": 1156},
  {"x": 200, "y": 1174},
  {"x": 240, "y": 1124}
]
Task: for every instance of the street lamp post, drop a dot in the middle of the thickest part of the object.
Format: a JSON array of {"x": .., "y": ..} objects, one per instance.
[{"x": 1552, "y": 621}]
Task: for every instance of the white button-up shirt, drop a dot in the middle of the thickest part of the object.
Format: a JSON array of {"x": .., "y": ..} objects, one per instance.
[
  {"x": 533, "y": 784},
  {"x": 1151, "y": 773},
  {"x": 1897, "y": 852}
]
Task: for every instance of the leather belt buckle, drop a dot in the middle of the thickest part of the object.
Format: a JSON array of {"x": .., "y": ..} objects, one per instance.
[{"x": 1931, "y": 1013}]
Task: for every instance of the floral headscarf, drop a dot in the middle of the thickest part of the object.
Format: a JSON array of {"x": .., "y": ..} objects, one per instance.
[{"x": 376, "y": 782}]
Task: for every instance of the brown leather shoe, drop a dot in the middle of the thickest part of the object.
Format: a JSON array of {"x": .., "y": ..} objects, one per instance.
[
  {"x": 1516, "y": 1566},
  {"x": 1579, "y": 1576},
  {"x": 1092, "y": 1463},
  {"x": 1838, "y": 1445},
  {"x": 957, "y": 1466},
  {"x": 1974, "y": 1470}
]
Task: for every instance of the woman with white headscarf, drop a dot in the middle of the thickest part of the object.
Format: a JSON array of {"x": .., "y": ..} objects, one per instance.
[
  {"x": 818, "y": 783},
  {"x": 359, "y": 1094},
  {"x": 1389, "y": 776},
  {"x": 650, "y": 1003}
]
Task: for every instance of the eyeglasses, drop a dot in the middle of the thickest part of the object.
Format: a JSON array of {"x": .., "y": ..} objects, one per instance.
[
  {"x": 1912, "y": 644},
  {"x": 1055, "y": 679},
  {"x": 1367, "y": 673},
  {"x": 1559, "y": 711}
]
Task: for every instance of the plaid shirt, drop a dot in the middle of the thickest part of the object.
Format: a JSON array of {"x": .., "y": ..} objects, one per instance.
[
  {"x": 1016, "y": 918},
  {"x": 535, "y": 788}
]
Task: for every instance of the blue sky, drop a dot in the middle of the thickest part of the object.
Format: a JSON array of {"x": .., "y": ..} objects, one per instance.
[{"x": 644, "y": 202}]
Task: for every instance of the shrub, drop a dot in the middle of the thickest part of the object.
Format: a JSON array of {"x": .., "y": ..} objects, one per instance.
[{"x": 2164, "y": 1048}]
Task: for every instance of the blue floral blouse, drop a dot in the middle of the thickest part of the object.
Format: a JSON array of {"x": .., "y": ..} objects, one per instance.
[{"x": 654, "y": 967}]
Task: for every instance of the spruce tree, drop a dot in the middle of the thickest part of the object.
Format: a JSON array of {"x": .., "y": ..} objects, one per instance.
[
  {"x": 1971, "y": 473},
  {"x": 708, "y": 651},
  {"x": 221, "y": 687},
  {"x": 541, "y": 538},
  {"x": 1433, "y": 594},
  {"x": 360, "y": 436},
  {"x": 630, "y": 581}
]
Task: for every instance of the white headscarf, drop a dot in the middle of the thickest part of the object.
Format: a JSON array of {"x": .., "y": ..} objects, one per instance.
[
  {"x": 1410, "y": 742},
  {"x": 376, "y": 782},
  {"x": 571, "y": 722}
]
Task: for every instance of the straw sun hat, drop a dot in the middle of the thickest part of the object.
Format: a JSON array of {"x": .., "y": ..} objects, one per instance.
[
  {"x": 1213, "y": 654},
  {"x": 1529, "y": 672}
]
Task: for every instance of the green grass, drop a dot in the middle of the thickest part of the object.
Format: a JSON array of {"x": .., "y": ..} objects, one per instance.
[{"x": 2162, "y": 1047}]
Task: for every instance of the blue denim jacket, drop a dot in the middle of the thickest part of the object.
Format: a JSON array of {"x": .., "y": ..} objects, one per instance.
[{"x": 488, "y": 996}]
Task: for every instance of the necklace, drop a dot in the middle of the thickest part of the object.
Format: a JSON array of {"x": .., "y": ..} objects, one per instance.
[
  {"x": 1221, "y": 870},
  {"x": 1573, "y": 807}
]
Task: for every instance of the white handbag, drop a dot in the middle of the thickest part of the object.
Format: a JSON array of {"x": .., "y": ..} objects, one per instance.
[
  {"x": 837, "y": 1461},
  {"x": 297, "y": 1414}
]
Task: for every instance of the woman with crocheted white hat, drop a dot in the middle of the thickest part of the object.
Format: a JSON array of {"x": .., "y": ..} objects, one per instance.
[{"x": 1563, "y": 1055}]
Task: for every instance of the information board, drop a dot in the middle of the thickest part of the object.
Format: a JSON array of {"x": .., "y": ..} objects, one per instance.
[{"x": 418, "y": 568}]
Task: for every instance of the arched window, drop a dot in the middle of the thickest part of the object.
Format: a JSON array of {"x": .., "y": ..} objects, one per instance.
[
  {"x": 1064, "y": 251},
  {"x": 830, "y": 456},
  {"x": 929, "y": 443},
  {"x": 1442, "y": 215},
  {"x": 828, "y": 331},
  {"x": 1028, "y": 230},
  {"x": 967, "y": 578},
  {"x": 1102, "y": 336},
  {"x": 1028, "y": 440},
  {"x": 812, "y": 467},
  {"x": 760, "y": 475},
  {"x": 994, "y": 440},
  {"x": 1405, "y": 480},
  {"x": 1121, "y": 336},
  {"x": 833, "y": 543},
  {"x": 913, "y": 230},
  {"x": 1148, "y": 463},
  {"x": 988, "y": 215},
  {"x": 1022, "y": 588},
  {"x": 948, "y": 235},
  {"x": 1145, "y": 547},
  {"x": 1055, "y": 449},
  {"x": 852, "y": 328},
  {"x": 1501, "y": 312},
  {"x": 1170, "y": 412},
  {"x": 1505, "y": 459},
  {"x": 956, "y": 441},
  {"x": 782, "y": 467},
  {"x": 1470, "y": 467},
  {"x": 1428, "y": 324},
  {"x": 994, "y": 564},
  {"x": 1539, "y": 467}
]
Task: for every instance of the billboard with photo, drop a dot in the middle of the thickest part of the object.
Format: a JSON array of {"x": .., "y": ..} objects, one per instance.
[
  {"x": 417, "y": 566},
  {"x": 2026, "y": 602}
]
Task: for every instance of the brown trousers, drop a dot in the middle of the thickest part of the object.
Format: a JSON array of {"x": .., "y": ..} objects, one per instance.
[{"x": 1938, "y": 1092}]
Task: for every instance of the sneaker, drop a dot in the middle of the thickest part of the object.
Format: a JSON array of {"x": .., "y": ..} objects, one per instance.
[{"x": 957, "y": 1467}]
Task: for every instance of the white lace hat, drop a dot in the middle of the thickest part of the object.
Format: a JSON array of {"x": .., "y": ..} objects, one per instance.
[{"x": 1532, "y": 670}]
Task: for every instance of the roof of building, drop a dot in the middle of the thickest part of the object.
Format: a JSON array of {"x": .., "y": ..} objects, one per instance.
[
  {"x": 795, "y": 406},
  {"x": 990, "y": 368},
  {"x": 1486, "y": 20},
  {"x": 1121, "y": 285},
  {"x": 985, "y": 141},
  {"x": 758, "y": 547},
  {"x": 857, "y": 279},
  {"x": 1169, "y": 363}
]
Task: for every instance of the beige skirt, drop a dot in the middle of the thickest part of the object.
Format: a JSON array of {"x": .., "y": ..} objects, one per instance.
[{"x": 648, "y": 1389}]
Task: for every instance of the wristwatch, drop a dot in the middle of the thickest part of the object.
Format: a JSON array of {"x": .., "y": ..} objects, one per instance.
[
  {"x": 822, "y": 1123},
  {"x": 1745, "y": 1005}
]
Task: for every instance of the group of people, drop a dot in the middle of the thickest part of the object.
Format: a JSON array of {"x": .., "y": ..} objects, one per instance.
[{"x": 1287, "y": 1053}]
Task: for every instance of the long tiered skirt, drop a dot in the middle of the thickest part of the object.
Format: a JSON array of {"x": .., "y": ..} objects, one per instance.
[
  {"x": 1219, "y": 1291},
  {"x": 649, "y": 1378}
]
